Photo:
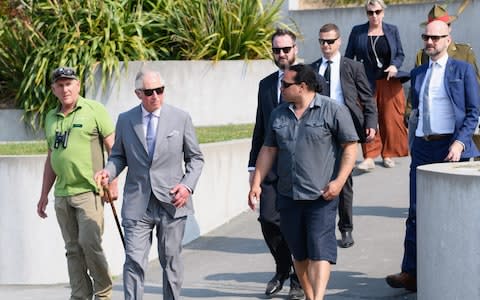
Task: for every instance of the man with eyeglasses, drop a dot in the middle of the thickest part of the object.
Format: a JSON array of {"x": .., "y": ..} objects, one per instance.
[
  {"x": 76, "y": 132},
  {"x": 348, "y": 84},
  {"x": 284, "y": 52},
  {"x": 313, "y": 143},
  {"x": 445, "y": 100},
  {"x": 460, "y": 51},
  {"x": 158, "y": 144}
]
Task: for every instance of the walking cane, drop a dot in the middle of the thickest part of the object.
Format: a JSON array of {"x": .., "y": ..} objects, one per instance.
[{"x": 104, "y": 190}]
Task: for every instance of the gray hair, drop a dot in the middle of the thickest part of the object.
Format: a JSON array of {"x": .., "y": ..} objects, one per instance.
[
  {"x": 141, "y": 74},
  {"x": 373, "y": 2}
]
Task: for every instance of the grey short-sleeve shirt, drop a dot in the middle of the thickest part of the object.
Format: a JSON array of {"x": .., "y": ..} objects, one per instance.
[{"x": 309, "y": 147}]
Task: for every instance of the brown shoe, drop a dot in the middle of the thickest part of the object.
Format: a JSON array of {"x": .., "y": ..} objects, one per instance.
[{"x": 402, "y": 280}]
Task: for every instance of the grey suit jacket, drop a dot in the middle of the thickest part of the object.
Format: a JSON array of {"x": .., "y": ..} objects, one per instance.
[{"x": 177, "y": 159}]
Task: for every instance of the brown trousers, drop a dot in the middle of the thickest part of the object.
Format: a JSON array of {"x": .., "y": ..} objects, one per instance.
[{"x": 391, "y": 139}]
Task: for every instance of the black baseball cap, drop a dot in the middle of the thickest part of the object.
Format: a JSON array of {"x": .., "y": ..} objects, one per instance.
[{"x": 64, "y": 73}]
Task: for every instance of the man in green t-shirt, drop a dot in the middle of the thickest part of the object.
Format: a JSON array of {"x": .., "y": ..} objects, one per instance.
[{"x": 76, "y": 131}]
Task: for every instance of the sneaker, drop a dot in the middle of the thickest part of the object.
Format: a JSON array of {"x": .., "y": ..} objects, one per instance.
[
  {"x": 366, "y": 165},
  {"x": 388, "y": 162}
]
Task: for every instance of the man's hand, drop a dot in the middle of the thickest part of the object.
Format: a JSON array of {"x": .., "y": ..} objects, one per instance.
[
  {"x": 332, "y": 190},
  {"x": 41, "y": 206},
  {"x": 454, "y": 152},
  {"x": 113, "y": 190},
  {"x": 101, "y": 178},
  {"x": 180, "y": 195},
  {"x": 254, "y": 197}
]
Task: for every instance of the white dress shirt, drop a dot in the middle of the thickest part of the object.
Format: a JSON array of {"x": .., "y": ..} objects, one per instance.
[
  {"x": 442, "y": 115},
  {"x": 279, "y": 85},
  {"x": 335, "y": 86}
]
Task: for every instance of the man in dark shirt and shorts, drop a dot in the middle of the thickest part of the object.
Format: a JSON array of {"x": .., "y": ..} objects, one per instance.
[{"x": 313, "y": 141}]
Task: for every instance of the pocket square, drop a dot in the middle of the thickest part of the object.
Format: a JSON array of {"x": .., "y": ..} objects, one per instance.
[{"x": 173, "y": 133}]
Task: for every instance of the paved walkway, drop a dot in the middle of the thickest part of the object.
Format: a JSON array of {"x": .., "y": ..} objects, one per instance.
[{"x": 232, "y": 262}]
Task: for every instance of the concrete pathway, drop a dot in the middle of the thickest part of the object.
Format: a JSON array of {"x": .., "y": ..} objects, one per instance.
[{"x": 232, "y": 262}]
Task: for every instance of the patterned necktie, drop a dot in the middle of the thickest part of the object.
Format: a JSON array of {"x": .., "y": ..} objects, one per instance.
[
  {"x": 326, "y": 75},
  {"x": 427, "y": 129},
  {"x": 150, "y": 135}
]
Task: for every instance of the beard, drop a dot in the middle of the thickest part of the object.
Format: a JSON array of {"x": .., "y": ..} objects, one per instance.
[
  {"x": 283, "y": 64},
  {"x": 432, "y": 51}
]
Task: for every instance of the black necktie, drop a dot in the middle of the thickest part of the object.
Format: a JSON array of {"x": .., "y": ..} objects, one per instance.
[{"x": 326, "y": 75}]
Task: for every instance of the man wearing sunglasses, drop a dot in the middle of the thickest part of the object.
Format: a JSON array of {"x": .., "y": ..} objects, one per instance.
[
  {"x": 77, "y": 132},
  {"x": 155, "y": 141},
  {"x": 348, "y": 85},
  {"x": 445, "y": 100},
  {"x": 455, "y": 50},
  {"x": 313, "y": 142},
  {"x": 284, "y": 51}
]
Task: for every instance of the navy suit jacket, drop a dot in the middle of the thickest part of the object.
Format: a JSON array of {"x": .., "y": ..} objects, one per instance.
[
  {"x": 357, "y": 94},
  {"x": 462, "y": 89},
  {"x": 357, "y": 48}
]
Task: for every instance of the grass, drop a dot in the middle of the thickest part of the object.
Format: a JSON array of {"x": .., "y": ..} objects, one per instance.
[{"x": 209, "y": 134}]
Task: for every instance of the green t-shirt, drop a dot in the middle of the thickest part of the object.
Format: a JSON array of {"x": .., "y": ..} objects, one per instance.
[{"x": 83, "y": 129}]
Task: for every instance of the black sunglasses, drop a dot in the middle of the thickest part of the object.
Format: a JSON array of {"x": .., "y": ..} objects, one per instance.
[
  {"x": 149, "y": 92},
  {"x": 434, "y": 38},
  {"x": 286, "y": 85},
  {"x": 377, "y": 12},
  {"x": 285, "y": 50},
  {"x": 328, "y": 41}
]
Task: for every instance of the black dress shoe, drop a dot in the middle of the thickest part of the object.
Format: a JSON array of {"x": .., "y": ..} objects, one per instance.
[
  {"x": 347, "y": 239},
  {"x": 275, "y": 285},
  {"x": 296, "y": 291}
]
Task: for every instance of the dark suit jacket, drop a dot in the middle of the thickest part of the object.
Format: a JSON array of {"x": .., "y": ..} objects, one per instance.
[
  {"x": 267, "y": 102},
  {"x": 358, "y": 48},
  {"x": 357, "y": 94},
  {"x": 462, "y": 89}
]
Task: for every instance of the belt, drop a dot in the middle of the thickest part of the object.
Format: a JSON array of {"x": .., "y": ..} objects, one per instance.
[{"x": 436, "y": 137}]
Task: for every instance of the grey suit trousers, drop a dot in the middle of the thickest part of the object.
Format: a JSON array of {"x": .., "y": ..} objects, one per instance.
[{"x": 138, "y": 241}]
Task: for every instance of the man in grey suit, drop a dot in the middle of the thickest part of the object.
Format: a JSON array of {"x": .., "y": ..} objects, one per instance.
[
  {"x": 154, "y": 140},
  {"x": 347, "y": 84}
]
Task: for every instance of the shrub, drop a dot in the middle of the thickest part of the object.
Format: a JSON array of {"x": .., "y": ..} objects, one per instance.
[{"x": 39, "y": 35}]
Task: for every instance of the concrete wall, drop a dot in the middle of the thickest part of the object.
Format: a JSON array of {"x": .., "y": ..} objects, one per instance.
[
  {"x": 407, "y": 17},
  {"x": 33, "y": 247},
  {"x": 215, "y": 93},
  {"x": 13, "y": 128},
  {"x": 448, "y": 248}
]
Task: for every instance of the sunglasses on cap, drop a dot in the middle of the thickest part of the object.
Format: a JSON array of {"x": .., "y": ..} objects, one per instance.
[
  {"x": 63, "y": 73},
  {"x": 285, "y": 50},
  {"x": 286, "y": 85},
  {"x": 328, "y": 41},
  {"x": 377, "y": 12},
  {"x": 434, "y": 38},
  {"x": 149, "y": 92}
]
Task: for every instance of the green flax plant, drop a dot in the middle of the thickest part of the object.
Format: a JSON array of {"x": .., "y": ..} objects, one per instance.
[
  {"x": 84, "y": 34},
  {"x": 96, "y": 35},
  {"x": 214, "y": 29}
]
